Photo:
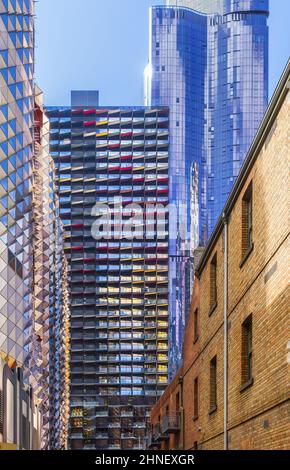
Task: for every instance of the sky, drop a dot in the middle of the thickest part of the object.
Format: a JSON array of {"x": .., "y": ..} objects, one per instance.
[{"x": 103, "y": 45}]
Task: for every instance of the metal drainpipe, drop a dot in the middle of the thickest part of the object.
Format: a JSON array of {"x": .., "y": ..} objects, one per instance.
[
  {"x": 182, "y": 421},
  {"x": 225, "y": 220}
]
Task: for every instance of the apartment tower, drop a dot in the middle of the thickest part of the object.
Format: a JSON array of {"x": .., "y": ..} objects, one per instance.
[{"x": 112, "y": 166}]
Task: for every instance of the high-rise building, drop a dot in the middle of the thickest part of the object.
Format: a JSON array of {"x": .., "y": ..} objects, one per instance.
[
  {"x": 16, "y": 152},
  {"x": 49, "y": 361},
  {"x": 33, "y": 310},
  {"x": 209, "y": 64},
  {"x": 113, "y": 162}
]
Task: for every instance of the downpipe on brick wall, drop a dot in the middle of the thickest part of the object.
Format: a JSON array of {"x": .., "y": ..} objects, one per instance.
[
  {"x": 182, "y": 420},
  {"x": 225, "y": 221}
]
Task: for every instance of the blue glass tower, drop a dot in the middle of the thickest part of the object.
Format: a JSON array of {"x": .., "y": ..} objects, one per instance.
[
  {"x": 209, "y": 64},
  {"x": 179, "y": 39}
]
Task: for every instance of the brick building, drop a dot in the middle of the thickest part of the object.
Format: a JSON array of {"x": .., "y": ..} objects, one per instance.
[{"x": 232, "y": 391}]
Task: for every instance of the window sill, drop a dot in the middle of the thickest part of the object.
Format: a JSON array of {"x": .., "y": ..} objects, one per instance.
[
  {"x": 213, "y": 308},
  {"x": 247, "y": 385},
  {"x": 212, "y": 410},
  {"x": 247, "y": 255}
]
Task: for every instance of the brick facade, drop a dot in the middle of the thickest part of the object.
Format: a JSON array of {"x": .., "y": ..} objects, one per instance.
[{"x": 257, "y": 286}]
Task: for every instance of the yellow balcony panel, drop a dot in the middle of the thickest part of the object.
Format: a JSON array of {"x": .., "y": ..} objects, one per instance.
[
  {"x": 89, "y": 191},
  {"x": 91, "y": 180},
  {"x": 101, "y": 180},
  {"x": 102, "y": 123},
  {"x": 66, "y": 180},
  {"x": 77, "y": 180},
  {"x": 101, "y": 134}
]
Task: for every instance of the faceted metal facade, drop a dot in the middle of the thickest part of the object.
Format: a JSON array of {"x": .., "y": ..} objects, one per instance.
[
  {"x": 20, "y": 422},
  {"x": 49, "y": 362},
  {"x": 212, "y": 72},
  {"x": 16, "y": 118},
  {"x": 118, "y": 286}
]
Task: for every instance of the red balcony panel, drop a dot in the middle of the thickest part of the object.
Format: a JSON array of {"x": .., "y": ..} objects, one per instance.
[
  {"x": 126, "y": 157},
  {"x": 129, "y": 168},
  {"x": 89, "y": 123},
  {"x": 113, "y": 146},
  {"x": 127, "y": 134},
  {"x": 163, "y": 191},
  {"x": 163, "y": 180}
]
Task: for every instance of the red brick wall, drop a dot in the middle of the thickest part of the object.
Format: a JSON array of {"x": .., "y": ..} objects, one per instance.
[{"x": 257, "y": 416}]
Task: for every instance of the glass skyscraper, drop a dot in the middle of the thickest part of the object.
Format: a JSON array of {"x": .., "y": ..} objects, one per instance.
[
  {"x": 116, "y": 158},
  {"x": 209, "y": 64}
]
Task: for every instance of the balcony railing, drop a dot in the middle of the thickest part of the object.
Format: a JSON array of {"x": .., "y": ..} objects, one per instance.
[
  {"x": 151, "y": 443},
  {"x": 171, "y": 423},
  {"x": 158, "y": 434}
]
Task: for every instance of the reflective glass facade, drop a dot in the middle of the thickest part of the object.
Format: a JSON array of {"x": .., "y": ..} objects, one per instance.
[
  {"x": 237, "y": 94},
  {"x": 179, "y": 43},
  {"x": 118, "y": 285},
  {"x": 209, "y": 64}
]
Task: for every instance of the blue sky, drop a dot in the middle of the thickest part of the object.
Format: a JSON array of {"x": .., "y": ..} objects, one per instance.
[{"x": 103, "y": 44}]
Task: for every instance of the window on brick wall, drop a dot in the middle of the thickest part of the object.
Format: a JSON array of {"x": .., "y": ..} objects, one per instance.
[
  {"x": 247, "y": 222},
  {"x": 213, "y": 385},
  {"x": 196, "y": 325},
  {"x": 213, "y": 284},
  {"x": 195, "y": 398},
  {"x": 247, "y": 352}
]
